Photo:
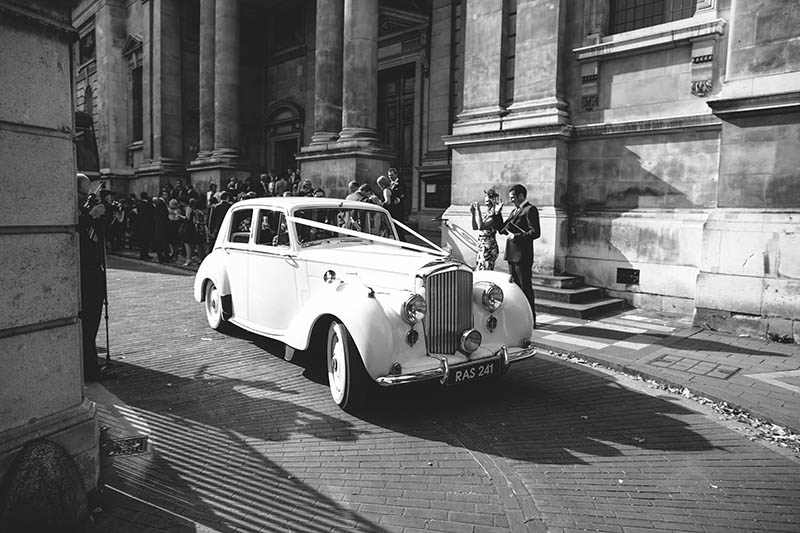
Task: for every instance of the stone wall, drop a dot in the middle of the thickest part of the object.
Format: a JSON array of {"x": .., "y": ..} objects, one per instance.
[
  {"x": 749, "y": 280},
  {"x": 765, "y": 38},
  {"x": 649, "y": 170},
  {"x": 40, "y": 338},
  {"x": 760, "y": 161}
]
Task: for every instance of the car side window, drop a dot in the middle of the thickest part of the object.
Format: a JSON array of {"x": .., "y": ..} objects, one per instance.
[
  {"x": 271, "y": 229},
  {"x": 241, "y": 223}
]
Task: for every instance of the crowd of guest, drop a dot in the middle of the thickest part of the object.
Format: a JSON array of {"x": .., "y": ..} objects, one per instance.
[{"x": 181, "y": 224}]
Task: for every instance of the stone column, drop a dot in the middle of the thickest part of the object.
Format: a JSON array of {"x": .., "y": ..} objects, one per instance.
[
  {"x": 482, "y": 60},
  {"x": 163, "y": 142},
  {"x": 226, "y": 80},
  {"x": 360, "y": 72},
  {"x": 167, "y": 123},
  {"x": 112, "y": 77},
  {"x": 328, "y": 71},
  {"x": 439, "y": 94},
  {"x": 207, "y": 37},
  {"x": 538, "y": 76}
]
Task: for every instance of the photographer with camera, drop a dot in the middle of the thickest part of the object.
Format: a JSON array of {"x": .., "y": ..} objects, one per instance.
[
  {"x": 488, "y": 225},
  {"x": 91, "y": 228}
]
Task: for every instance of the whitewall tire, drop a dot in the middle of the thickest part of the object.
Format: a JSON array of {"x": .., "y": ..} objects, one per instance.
[
  {"x": 347, "y": 377},
  {"x": 213, "y": 303}
]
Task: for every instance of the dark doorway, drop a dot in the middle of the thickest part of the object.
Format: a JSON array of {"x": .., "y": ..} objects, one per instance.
[
  {"x": 396, "y": 91},
  {"x": 284, "y": 155}
]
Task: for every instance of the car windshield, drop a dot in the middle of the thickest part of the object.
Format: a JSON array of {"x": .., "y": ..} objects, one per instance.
[{"x": 362, "y": 220}]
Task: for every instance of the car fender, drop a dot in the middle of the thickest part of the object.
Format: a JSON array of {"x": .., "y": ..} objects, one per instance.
[
  {"x": 514, "y": 317},
  {"x": 371, "y": 318},
  {"x": 212, "y": 268}
]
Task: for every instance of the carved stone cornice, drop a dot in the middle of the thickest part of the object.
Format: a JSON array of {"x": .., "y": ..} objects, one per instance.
[
  {"x": 651, "y": 38},
  {"x": 761, "y": 104},
  {"x": 42, "y": 19},
  {"x": 647, "y": 126},
  {"x": 555, "y": 131}
]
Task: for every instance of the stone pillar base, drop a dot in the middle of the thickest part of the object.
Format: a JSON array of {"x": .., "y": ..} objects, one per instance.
[
  {"x": 333, "y": 166},
  {"x": 153, "y": 174},
  {"x": 358, "y": 134},
  {"x": 214, "y": 170},
  {"x": 481, "y": 120},
  {"x": 324, "y": 137},
  {"x": 544, "y": 112},
  {"x": 75, "y": 429}
]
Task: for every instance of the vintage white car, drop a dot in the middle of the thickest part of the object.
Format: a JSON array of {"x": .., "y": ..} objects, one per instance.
[{"x": 331, "y": 276}]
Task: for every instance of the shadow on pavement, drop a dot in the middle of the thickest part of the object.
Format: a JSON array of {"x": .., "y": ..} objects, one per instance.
[
  {"x": 541, "y": 411},
  {"x": 205, "y": 462}
]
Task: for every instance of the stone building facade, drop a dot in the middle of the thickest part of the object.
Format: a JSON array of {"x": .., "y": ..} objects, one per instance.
[
  {"x": 657, "y": 138},
  {"x": 49, "y": 435}
]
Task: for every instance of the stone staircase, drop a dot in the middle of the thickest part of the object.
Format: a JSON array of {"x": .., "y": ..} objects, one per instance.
[{"x": 567, "y": 295}]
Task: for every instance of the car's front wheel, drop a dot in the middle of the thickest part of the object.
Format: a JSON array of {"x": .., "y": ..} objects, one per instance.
[
  {"x": 213, "y": 303},
  {"x": 347, "y": 377}
]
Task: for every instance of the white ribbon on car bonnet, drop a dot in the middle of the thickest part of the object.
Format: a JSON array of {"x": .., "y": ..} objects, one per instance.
[{"x": 374, "y": 238}]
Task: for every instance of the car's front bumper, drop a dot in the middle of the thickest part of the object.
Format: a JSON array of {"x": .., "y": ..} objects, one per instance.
[{"x": 506, "y": 355}]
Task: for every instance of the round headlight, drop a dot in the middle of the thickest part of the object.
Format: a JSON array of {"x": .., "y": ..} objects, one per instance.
[
  {"x": 492, "y": 298},
  {"x": 414, "y": 309},
  {"x": 470, "y": 341}
]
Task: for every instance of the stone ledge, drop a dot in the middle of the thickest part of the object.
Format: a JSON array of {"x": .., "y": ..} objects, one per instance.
[
  {"x": 62, "y": 27},
  {"x": 648, "y": 39},
  {"x": 555, "y": 131},
  {"x": 338, "y": 152},
  {"x": 647, "y": 126},
  {"x": 751, "y": 105}
]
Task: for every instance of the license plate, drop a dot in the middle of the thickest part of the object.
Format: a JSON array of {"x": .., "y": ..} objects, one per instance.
[{"x": 479, "y": 370}]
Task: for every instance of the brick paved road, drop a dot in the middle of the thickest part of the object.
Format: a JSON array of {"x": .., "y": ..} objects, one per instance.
[{"x": 242, "y": 440}]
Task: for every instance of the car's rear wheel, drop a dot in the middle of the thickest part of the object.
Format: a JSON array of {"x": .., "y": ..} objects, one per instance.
[
  {"x": 347, "y": 377},
  {"x": 213, "y": 301}
]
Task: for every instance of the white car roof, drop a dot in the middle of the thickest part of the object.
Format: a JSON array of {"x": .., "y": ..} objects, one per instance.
[{"x": 293, "y": 202}]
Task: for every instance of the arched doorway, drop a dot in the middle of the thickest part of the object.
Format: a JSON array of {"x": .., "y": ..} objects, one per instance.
[{"x": 284, "y": 135}]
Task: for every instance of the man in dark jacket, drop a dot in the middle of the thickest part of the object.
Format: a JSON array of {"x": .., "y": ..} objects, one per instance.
[
  {"x": 144, "y": 225},
  {"x": 522, "y": 228},
  {"x": 93, "y": 278},
  {"x": 161, "y": 227},
  {"x": 217, "y": 215}
]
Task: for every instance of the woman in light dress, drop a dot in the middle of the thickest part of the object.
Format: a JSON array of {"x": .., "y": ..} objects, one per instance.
[{"x": 488, "y": 224}]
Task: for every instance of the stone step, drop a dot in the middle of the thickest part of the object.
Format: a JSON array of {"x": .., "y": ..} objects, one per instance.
[
  {"x": 573, "y": 296},
  {"x": 584, "y": 310},
  {"x": 565, "y": 281}
]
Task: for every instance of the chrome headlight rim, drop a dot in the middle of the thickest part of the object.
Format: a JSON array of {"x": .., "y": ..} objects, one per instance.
[
  {"x": 492, "y": 297},
  {"x": 414, "y": 309},
  {"x": 470, "y": 341}
]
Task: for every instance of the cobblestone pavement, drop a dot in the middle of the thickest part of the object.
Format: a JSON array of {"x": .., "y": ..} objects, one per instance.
[{"x": 238, "y": 439}]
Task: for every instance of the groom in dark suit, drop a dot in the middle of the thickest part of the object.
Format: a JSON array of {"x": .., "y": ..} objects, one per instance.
[{"x": 522, "y": 228}]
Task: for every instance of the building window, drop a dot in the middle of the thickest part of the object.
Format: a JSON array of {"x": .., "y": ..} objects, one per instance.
[
  {"x": 627, "y": 15},
  {"x": 86, "y": 47},
  {"x": 137, "y": 116},
  {"x": 509, "y": 51}
]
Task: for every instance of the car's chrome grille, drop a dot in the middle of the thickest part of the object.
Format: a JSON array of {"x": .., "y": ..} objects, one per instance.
[{"x": 449, "y": 297}]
